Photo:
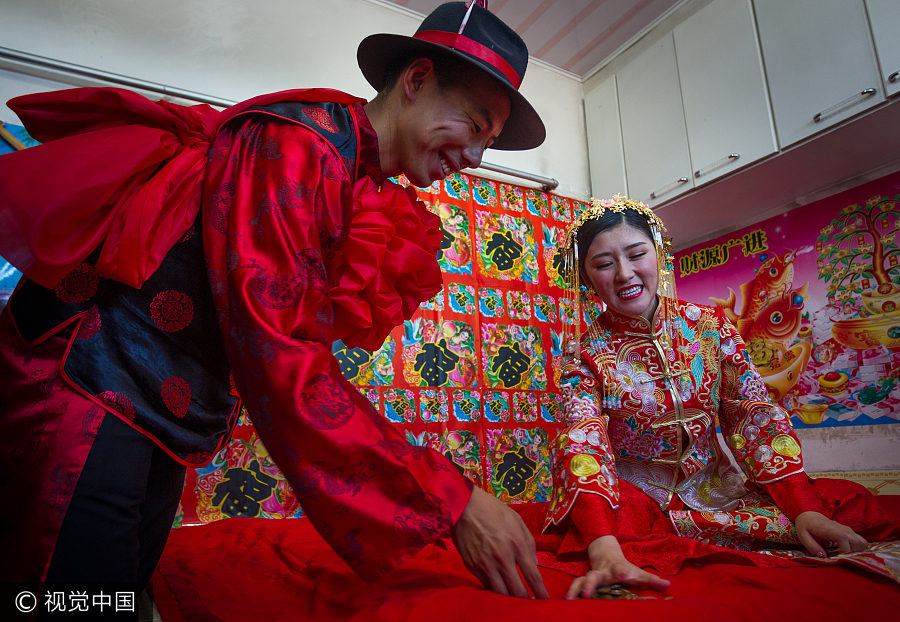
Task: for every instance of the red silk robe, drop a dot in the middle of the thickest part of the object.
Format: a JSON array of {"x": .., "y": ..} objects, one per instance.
[
  {"x": 302, "y": 248},
  {"x": 371, "y": 495},
  {"x": 644, "y": 407}
]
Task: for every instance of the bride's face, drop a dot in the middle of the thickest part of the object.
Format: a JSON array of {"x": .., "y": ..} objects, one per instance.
[{"x": 621, "y": 266}]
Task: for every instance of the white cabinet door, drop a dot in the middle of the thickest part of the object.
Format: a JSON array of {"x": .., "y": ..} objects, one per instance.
[
  {"x": 726, "y": 105},
  {"x": 884, "y": 17},
  {"x": 820, "y": 63},
  {"x": 657, "y": 161},
  {"x": 604, "y": 137}
]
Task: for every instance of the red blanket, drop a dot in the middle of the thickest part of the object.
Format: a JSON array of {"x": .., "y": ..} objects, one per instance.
[{"x": 248, "y": 569}]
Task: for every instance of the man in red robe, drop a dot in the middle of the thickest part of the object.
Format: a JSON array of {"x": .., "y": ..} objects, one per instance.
[{"x": 182, "y": 262}]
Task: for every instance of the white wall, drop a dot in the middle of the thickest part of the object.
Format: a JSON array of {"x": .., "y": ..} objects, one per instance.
[
  {"x": 236, "y": 49},
  {"x": 851, "y": 448}
]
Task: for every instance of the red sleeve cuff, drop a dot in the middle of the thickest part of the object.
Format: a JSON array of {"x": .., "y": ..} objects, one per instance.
[
  {"x": 593, "y": 516},
  {"x": 795, "y": 494}
]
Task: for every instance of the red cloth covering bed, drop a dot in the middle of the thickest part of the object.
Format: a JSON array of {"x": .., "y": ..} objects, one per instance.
[{"x": 245, "y": 569}]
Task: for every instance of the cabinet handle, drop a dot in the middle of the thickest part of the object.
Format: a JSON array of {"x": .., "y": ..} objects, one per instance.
[
  {"x": 893, "y": 77},
  {"x": 843, "y": 104},
  {"x": 718, "y": 163},
  {"x": 664, "y": 189}
]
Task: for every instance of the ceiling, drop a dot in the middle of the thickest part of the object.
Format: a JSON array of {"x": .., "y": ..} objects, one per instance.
[{"x": 574, "y": 35}]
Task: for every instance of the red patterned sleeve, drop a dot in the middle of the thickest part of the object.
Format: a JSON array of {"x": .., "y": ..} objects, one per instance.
[
  {"x": 584, "y": 468},
  {"x": 795, "y": 494},
  {"x": 758, "y": 432},
  {"x": 277, "y": 200},
  {"x": 594, "y": 517}
]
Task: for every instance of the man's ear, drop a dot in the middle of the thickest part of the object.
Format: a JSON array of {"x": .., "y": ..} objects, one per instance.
[{"x": 415, "y": 76}]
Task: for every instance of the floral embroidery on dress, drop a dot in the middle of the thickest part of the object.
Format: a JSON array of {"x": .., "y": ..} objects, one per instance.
[
  {"x": 639, "y": 383},
  {"x": 752, "y": 387},
  {"x": 628, "y": 442},
  {"x": 578, "y": 406}
]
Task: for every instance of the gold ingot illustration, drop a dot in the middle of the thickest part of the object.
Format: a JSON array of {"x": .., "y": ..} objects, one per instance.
[
  {"x": 782, "y": 378},
  {"x": 868, "y": 332},
  {"x": 810, "y": 414},
  {"x": 883, "y": 299},
  {"x": 786, "y": 445},
  {"x": 584, "y": 465}
]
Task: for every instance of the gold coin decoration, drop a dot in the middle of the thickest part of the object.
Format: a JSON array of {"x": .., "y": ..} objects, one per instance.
[
  {"x": 584, "y": 465},
  {"x": 786, "y": 445},
  {"x": 617, "y": 591},
  {"x": 738, "y": 441}
]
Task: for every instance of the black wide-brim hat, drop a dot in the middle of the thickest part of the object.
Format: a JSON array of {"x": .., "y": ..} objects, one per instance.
[{"x": 485, "y": 41}]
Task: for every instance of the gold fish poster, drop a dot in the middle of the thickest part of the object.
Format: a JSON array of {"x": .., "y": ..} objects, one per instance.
[{"x": 815, "y": 293}]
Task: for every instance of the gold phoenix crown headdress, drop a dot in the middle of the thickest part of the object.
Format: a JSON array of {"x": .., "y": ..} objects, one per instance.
[{"x": 598, "y": 207}]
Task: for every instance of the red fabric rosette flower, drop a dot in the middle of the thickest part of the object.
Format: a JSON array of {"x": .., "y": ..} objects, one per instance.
[
  {"x": 388, "y": 263},
  {"x": 115, "y": 169}
]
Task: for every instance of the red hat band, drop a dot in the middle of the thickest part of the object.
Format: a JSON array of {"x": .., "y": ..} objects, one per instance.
[{"x": 470, "y": 46}]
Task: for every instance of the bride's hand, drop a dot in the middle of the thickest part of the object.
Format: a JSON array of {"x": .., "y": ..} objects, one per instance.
[
  {"x": 815, "y": 529},
  {"x": 609, "y": 566}
]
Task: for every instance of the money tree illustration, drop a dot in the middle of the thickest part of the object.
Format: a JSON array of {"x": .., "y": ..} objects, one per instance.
[{"x": 858, "y": 250}]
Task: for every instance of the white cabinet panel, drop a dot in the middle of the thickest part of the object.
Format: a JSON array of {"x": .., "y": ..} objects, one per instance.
[
  {"x": 604, "y": 138},
  {"x": 726, "y": 104},
  {"x": 657, "y": 161},
  {"x": 884, "y": 17},
  {"x": 820, "y": 63}
]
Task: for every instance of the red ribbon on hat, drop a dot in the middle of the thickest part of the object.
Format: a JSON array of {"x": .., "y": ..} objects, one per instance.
[{"x": 470, "y": 46}]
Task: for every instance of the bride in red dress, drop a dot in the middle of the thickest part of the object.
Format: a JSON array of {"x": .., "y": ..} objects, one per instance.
[{"x": 640, "y": 461}]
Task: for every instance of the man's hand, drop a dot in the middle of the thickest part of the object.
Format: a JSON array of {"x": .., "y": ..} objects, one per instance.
[
  {"x": 493, "y": 541},
  {"x": 609, "y": 566},
  {"x": 815, "y": 529}
]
